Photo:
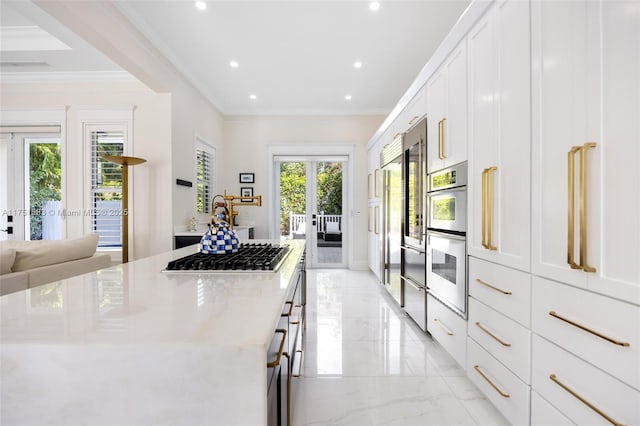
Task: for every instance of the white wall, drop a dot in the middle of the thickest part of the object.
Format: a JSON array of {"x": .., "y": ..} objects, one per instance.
[
  {"x": 151, "y": 140},
  {"x": 247, "y": 139}
]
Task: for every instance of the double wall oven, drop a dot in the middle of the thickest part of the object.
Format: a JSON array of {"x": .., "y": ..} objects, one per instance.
[
  {"x": 413, "y": 246},
  {"x": 446, "y": 237}
]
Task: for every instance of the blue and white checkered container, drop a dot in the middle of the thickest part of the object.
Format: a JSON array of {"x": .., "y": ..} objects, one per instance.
[{"x": 219, "y": 239}]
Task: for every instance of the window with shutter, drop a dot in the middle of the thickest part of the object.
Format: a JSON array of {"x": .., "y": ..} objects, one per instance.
[{"x": 106, "y": 187}]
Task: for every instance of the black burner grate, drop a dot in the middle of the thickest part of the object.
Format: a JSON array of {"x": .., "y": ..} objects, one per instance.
[{"x": 250, "y": 257}]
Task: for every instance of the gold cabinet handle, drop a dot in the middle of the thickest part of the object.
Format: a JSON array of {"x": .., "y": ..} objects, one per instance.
[
  {"x": 276, "y": 361},
  {"x": 375, "y": 220},
  {"x": 489, "y": 204},
  {"x": 369, "y": 219},
  {"x": 570, "y": 206},
  {"x": 443, "y": 327},
  {"x": 502, "y": 342},
  {"x": 369, "y": 186},
  {"x": 583, "y": 207},
  {"x": 376, "y": 192},
  {"x": 493, "y": 385},
  {"x": 484, "y": 209},
  {"x": 589, "y": 330},
  {"x": 413, "y": 120},
  {"x": 300, "y": 355},
  {"x": 486, "y": 284},
  {"x": 288, "y": 313},
  {"x": 444, "y": 123},
  {"x": 441, "y": 155},
  {"x": 297, "y": 317},
  {"x": 554, "y": 379}
]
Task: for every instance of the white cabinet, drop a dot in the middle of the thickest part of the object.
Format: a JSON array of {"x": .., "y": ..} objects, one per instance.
[
  {"x": 586, "y": 179},
  {"x": 447, "y": 112},
  {"x": 447, "y": 328},
  {"x": 374, "y": 191},
  {"x": 500, "y": 136}
]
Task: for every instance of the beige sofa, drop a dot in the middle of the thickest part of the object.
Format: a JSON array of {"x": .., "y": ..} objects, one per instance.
[{"x": 28, "y": 264}]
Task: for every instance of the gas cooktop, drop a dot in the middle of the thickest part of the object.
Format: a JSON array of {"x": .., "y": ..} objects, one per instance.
[{"x": 256, "y": 257}]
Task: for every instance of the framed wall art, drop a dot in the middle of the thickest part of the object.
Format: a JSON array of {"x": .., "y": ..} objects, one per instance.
[{"x": 247, "y": 178}]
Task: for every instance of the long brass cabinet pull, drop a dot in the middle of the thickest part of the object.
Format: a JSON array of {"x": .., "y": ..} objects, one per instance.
[
  {"x": 276, "y": 361},
  {"x": 589, "y": 330},
  {"x": 443, "y": 327},
  {"x": 583, "y": 207},
  {"x": 554, "y": 379},
  {"x": 375, "y": 220},
  {"x": 478, "y": 280},
  {"x": 444, "y": 122},
  {"x": 496, "y": 338},
  {"x": 493, "y": 385},
  {"x": 487, "y": 208},
  {"x": 299, "y": 356},
  {"x": 484, "y": 208},
  {"x": 413, "y": 120},
  {"x": 369, "y": 219}
]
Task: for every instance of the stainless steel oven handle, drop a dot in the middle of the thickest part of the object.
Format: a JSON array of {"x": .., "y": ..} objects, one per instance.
[
  {"x": 417, "y": 250},
  {"x": 446, "y": 235},
  {"x": 408, "y": 281}
]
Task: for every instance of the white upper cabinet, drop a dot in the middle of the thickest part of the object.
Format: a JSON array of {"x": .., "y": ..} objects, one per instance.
[
  {"x": 586, "y": 145},
  {"x": 447, "y": 112},
  {"x": 500, "y": 136}
]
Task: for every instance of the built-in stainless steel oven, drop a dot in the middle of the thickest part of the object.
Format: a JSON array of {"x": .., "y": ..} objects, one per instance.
[{"x": 446, "y": 237}]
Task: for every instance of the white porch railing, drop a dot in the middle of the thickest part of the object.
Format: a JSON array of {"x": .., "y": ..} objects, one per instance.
[{"x": 297, "y": 223}]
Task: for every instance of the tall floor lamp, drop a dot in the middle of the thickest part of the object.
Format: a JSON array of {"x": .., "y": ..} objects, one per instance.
[{"x": 125, "y": 162}]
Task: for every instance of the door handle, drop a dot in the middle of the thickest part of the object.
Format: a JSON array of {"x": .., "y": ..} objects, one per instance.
[
  {"x": 583, "y": 207},
  {"x": 490, "y": 171},
  {"x": 483, "y": 199},
  {"x": 571, "y": 206}
]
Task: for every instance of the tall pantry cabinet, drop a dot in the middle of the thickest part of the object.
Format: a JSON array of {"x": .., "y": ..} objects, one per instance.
[{"x": 585, "y": 258}]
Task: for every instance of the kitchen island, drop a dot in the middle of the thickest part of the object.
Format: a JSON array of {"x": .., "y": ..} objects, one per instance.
[{"x": 132, "y": 345}]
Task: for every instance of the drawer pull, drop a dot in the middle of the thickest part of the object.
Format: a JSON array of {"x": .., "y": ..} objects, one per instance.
[
  {"x": 299, "y": 316},
  {"x": 554, "y": 379},
  {"x": 299, "y": 356},
  {"x": 288, "y": 313},
  {"x": 502, "y": 342},
  {"x": 587, "y": 329},
  {"x": 478, "y": 280},
  {"x": 443, "y": 327},
  {"x": 493, "y": 385},
  {"x": 281, "y": 351}
]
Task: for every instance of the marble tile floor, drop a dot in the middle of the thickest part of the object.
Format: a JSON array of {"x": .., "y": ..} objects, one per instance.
[{"x": 367, "y": 363}]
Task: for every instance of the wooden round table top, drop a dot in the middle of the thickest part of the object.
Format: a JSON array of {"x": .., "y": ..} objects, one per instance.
[{"x": 124, "y": 160}]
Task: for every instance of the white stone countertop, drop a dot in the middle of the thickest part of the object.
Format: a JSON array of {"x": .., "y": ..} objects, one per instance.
[{"x": 131, "y": 345}]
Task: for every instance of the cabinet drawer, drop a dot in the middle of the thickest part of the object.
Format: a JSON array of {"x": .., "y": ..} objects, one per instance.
[
  {"x": 556, "y": 374},
  {"x": 545, "y": 414},
  {"x": 504, "y": 289},
  {"x": 447, "y": 328},
  {"x": 505, "y": 339},
  {"x": 598, "y": 331},
  {"x": 509, "y": 394}
]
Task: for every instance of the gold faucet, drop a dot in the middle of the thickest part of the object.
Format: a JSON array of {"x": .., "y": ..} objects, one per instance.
[{"x": 229, "y": 200}]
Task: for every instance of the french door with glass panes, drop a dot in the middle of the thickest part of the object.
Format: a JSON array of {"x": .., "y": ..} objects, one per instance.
[
  {"x": 311, "y": 192},
  {"x": 31, "y": 186}
]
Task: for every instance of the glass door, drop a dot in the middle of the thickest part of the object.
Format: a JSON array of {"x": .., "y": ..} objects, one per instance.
[
  {"x": 311, "y": 194},
  {"x": 31, "y": 186}
]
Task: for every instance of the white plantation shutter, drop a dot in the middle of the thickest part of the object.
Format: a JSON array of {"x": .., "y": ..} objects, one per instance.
[
  {"x": 106, "y": 188},
  {"x": 205, "y": 163}
]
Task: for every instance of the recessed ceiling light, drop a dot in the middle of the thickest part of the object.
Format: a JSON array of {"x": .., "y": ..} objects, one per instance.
[
  {"x": 374, "y": 5},
  {"x": 348, "y": 97},
  {"x": 234, "y": 64},
  {"x": 357, "y": 64},
  {"x": 203, "y": 5},
  {"x": 253, "y": 97}
]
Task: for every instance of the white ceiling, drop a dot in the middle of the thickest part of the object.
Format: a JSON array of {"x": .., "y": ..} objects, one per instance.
[{"x": 295, "y": 56}]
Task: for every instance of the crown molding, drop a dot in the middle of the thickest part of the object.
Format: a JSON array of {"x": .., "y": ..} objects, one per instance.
[{"x": 65, "y": 77}]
